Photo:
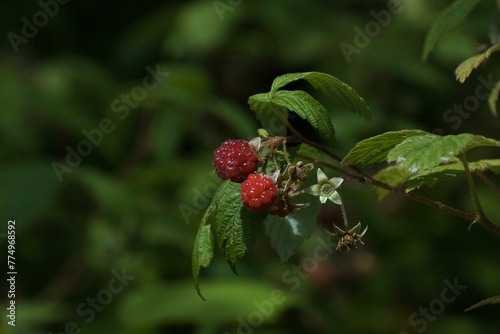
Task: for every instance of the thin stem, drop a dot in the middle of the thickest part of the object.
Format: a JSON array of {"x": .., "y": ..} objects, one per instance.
[
  {"x": 488, "y": 182},
  {"x": 333, "y": 155},
  {"x": 285, "y": 121},
  {"x": 344, "y": 213},
  {"x": 482, "y": 216}
]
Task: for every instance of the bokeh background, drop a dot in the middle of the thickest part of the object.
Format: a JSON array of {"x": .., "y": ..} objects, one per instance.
[{"x": 132, "y": 205}]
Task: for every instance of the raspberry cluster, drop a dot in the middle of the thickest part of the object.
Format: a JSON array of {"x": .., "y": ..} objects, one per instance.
[{"x": 238, "y": 161}]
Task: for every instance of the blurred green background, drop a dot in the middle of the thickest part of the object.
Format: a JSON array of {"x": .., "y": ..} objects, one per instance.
[{"x": 131, "y": 206}]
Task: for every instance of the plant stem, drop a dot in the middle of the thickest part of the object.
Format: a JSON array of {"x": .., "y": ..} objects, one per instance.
[
  {"x": 285, "y": 121},
  {"x": 488, "y": 182},
  {"x": 482, "y": 216},
  {"x": 344, "y": 213},
  {"x": 401, "y": 191}
]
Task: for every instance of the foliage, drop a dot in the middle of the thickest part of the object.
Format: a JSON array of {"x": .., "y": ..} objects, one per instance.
[{"x": 421, "y": 158}]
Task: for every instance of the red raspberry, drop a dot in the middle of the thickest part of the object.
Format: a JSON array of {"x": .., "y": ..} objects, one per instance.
[
  {"x": 283, "y": 209},
  {"x": 235, "y": 160},
  {"x": 258, "y": 192}
]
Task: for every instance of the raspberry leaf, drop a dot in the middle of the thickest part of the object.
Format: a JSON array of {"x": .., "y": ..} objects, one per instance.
[
  {"x": 340, "y": 92},
  {"x": 266, "y": 113},
  {"x": 235, "y": 226},
  {"x": 393, "y": 176},
  {"x": 420, "y": 153},
  {"x": 202, "y": 253},
  {"x": 465, "y": 68},
  {"x": 444, "y": 172},
  {"x": 287, "y": 234},
  {"x": 308, "y": 108},
  {"x": 375, "y": 149}
]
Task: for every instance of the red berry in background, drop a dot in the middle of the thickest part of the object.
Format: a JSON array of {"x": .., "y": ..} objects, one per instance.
[
  {"x": 283, "y": 209},
  {"x": 258, "y": 192},
  {"x": 235, "y": 160}
]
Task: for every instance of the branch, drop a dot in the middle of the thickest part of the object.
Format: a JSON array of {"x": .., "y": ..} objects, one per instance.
[{"x": 363, "y": 178}]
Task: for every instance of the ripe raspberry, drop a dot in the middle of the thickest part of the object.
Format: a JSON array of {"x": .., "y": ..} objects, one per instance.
[
  {"x": 258, "y": 192},
  {"x": 283, "y": 209},
  {"x": 235, "y": 160}
]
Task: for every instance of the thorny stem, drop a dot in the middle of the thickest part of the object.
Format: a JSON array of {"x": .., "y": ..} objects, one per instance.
[{"x": 365, "y": 179}]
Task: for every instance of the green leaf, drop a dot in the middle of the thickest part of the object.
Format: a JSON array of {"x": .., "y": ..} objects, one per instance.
[
  {"x": 288, "y": 233},
  {"x": 308, "y": 153},
  {"x": 266, "y": 113},
  {"x": 420, "y": 153},
  {"x": 375, "y": 149},
  {"x": 467, "y": 66},
  {"x": 337, "y": 90},
  {"x": 490, "y": 301},
  {"x": 393, "y": 176},
  {"x": 235, "y": 226},
  {"x": 449, "y": 19},
  {"x": 441, "y": 173},
  {"x": 203, "y": 249},
  {"x": 492, "y": 101},
  {"x": 309, "y": 109}
]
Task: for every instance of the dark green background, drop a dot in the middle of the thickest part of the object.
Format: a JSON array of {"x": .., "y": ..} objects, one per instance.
[{"x": 120, "y": 208}]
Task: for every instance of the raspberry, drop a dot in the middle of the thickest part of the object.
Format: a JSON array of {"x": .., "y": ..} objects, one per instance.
[
  {"x": 283, "y": 208},
  {"x": 235, "y": 160},
  {"x": 258, "y": 192}
]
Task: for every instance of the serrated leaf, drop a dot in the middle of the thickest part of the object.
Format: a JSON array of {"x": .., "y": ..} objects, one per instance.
[
  {"x": 448, "y": 20},
  {"x": 235, "y": 226},
  {"x": 492, "y": 101},
  {"x": 393, "y": 176},
  {"x": 488, "y": 301},
  {"x": 375, "y": 149},
  {"x": 420, "y": 153},
  {"x": 337, "y": 90},
  {"x": 202, "y": 253},
  {"x": 307, "y": 108},
  {"x": 467, "y": 66},
  {"x": 288, "y": 233},
  {"x": 266, "y": 113},
  {"x": 441, "y": 173}
]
